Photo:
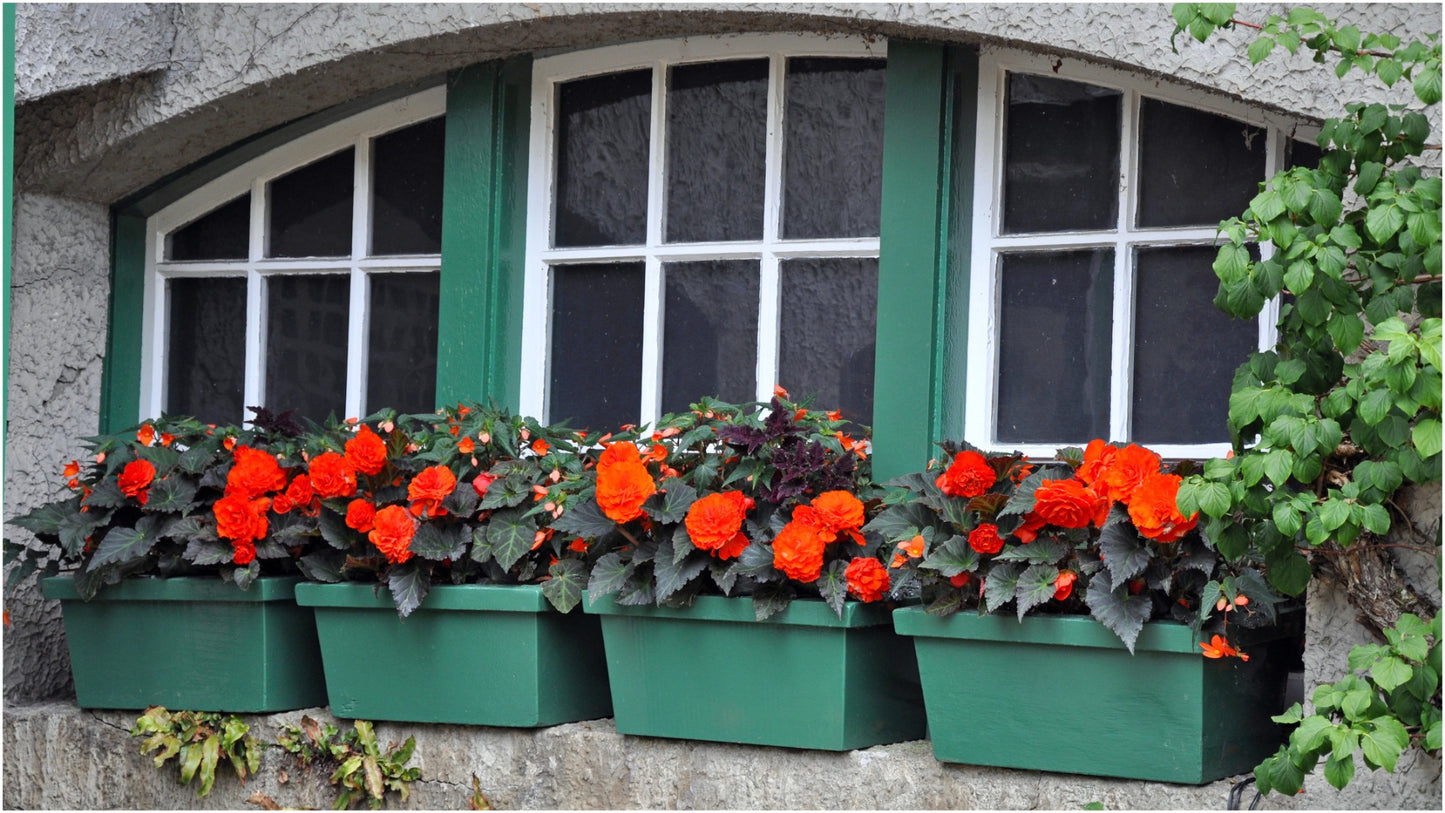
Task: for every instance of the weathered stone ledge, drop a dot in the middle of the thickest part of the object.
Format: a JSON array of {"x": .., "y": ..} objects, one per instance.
[{"x": 57, "y": 756}]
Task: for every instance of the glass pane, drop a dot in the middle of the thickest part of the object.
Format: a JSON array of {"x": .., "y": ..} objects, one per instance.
[
  {"x": 1195, "y": 168},
  {"x": 596, "y": 351},
  {"x": 401, "y": 363},
  {"x": 717, "y": 122},
  {"x": 834, "y": 148},
  {"x": 1185, "y": 349},
  {"x": 1054, "y": 340},
  {"x": 1305, "y": 154},
  {"x": 827, "y": 335},
  {"x": 710, "y": 332},
  {"x": 602, "y": 148},
  {"x": 306, "y": 324},
  {"x": 224, "y": 233},
  {"x": 406, "y": 189},
  {"x": 206, "y": 352},
  {"x": 1061, "y": 155},
  {"x": 310, "y": 209}
]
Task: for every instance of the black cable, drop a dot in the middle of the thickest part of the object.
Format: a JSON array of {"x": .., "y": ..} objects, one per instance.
[{"x": 1236, "y": 794}]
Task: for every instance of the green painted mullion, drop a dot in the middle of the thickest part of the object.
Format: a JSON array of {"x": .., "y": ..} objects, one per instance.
[
  {"x": 483, "y": 234},
  {"x": 962, "y": 135},
  {"x": 913, "y": 268},
  {"x": 6, "y": 147},
  {"x": 120, "y": 381}
]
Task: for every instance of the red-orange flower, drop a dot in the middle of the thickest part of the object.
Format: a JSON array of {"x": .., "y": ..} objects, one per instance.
[
  {"x": 985, "y": 538},
  {"x": 332, "y": 476},
  {"x": 714, "y": 523},
  {"x": 466, "y": 445},
  {"x": 968, "y": 476},
  {"x": 623, "y": 483},
  {"x": 391, "y": 533},
  {"x": 1029, "y": 531},
  {"x": 798, "y": 549},
  {"x": 297, "y": 495},
  {"x": 839, "y": 512},
  {"x": 1155, "y": 510},
  {"x": 1064, "y": 584},
  {"x": 135, "y": 480},
  {"x": 366, "y": 451},
  {"x": 1098, "y": 455},
  {"x": 541, "y": 447},
  {"x": 427, "y": 490},
  {"x": 867, "y": 578},
  {"x": 242, "y": 520},
  {"x": 1128, "y": 468},
  {"x": 1069, "y": 504},
  {"x": 360, "y": 514},
  {"x": 912, "y": 549},
  {"x": 255, "y": 473},
  {"x": 1218, "y": 647},
  {"x": 146, "y": 435}
]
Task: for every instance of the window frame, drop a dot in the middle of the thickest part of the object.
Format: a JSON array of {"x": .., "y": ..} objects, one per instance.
[
  {"x": 988, "y": 241},
  {"x": 770, "y": 251},
  {"x": 254, "y": 176}
]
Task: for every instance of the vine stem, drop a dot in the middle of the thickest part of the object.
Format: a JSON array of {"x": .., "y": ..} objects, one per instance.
[{"x": 1355, "y": 550}]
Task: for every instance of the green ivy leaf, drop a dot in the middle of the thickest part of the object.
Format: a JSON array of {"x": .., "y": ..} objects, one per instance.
[
  {"x": 1259, "y": 49},
  {"x": 1426, "y": 436},
  {"x": 1382, "y": 741},
  {"x": 1382, "y": 222},
  {"x": 1339, "y": 772},
  {"x": 1279, "y": 773},
  {"x": 1347, "y": 330},
  {"x": 1289, "y": 572},
  {"x": 1390, "y": 672},
  {"x": 1427, "y": 85}
]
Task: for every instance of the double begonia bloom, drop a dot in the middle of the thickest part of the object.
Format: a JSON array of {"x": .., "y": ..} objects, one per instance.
[
  {"x": 254, "y": 474},
  {"x": 1069, "y": 504},
  {"x": 366, "y": 451},
  {"x": 427, "y": 490},
  {"x": 391, "y": 532},
  {"x": 985, "y": 538},
  {"x": 867, "y": 578},
  {"x": 798, "y": 548},
  {"x": 360, "y": 514},
  {"x": 839, "y": 512},
  {"x": 714, "y": 523},
  {"x": 332, "y": 475},
  {"x": 969, "y": 475},
  {"x": 623, "y": 483},
  {"x": 1125, "y": 471},
  {"x": 1154, "y": 509},
  {"x": 135, "y": 480},
  {"x": 242, "y": 520}
]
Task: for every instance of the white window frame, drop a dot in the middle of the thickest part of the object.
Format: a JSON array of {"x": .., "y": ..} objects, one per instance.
[
  {"x": 981, "y": 415},
  {"x": 770, "y": 251},
  {"x": 254, "y": 176}
]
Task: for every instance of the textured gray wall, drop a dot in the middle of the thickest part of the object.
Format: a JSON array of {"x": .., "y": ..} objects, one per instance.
[{"x": 113, "y": 98}]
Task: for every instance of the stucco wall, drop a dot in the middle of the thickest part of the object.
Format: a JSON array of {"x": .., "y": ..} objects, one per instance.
[{"x": 112, "y": 100}]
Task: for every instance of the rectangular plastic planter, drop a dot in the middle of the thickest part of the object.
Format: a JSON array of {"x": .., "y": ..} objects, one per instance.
[
  {"x": 802, "y": 679},
  {"x": 200, "y": 644},
  {"x": 474, "y": 654},
  {"x": 1061, "y": 693}
]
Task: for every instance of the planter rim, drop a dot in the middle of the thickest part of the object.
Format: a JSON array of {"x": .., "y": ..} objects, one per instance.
[
  {"x": 1067, "y": 630},
  {"x": 176, "y": 588},
  {"x": 739, "y": 609},
  {"x": 516, "y": 598}
]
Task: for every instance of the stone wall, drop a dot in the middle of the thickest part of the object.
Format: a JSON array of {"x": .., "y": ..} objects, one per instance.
[{"x": 58, "y": 757}]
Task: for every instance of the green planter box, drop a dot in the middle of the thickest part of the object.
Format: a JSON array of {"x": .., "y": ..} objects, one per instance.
[
  {"x": 1061, "y": 693},
  {"x": 191, "y": 643},
  {"x": 472, "y": 654},
  {"x": 802, "y": 679}
]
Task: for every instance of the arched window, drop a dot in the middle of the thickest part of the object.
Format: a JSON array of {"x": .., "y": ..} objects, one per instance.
[{"x": 306, "y": 278}]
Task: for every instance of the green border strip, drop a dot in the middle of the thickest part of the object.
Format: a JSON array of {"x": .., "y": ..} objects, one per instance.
[
  {"x": 922, "y": 272},
  {"x": 7, "y": 146},
  {"x": 479, "y": 331}
]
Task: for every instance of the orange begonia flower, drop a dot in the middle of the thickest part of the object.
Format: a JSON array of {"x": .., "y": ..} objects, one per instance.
[
  {"x": 839, "y": 512},
  {"x": 366, "y": 451},
  {"x": 969, "y": 475},
  {"x": 1218, "y": 647},
  {"x": 1069, "y": 504},
  {"x": 623, "y": 483},
  {"x": 1155, "y": 510},
  {"x": 541, "y": 447},
  {"x": 332, "y": 476},
  {"x": 714, "y": 523},
  {"x": 867, "y": 578},
  {"x": 1128, "y": 468},
  {"x": 391, "y": 532},
  {"x": 466, "y": 445},
  {"x": 1064, "y": 584},
  {"x": 255, "y": 473},
  {"x": 146, "y": 435},
  {"x": 985, "y": 538},
  {"x": 798, "y": 548},
  {"x": 135, "y": 480},
  {"x": 427, "y": 490},
  {"x": 360, "y": 514}
]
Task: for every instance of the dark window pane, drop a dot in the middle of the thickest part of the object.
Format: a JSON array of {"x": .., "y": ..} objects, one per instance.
[
  {"x": 1185, "y": 349},
  {"x": 224, "y": 233},
  {"x": 206, "y": 352},
  {"x": 834, "y": 148},
  {"x": 717, "y": 117},
  {"x": 1305, "y": 154},
  {"x": 602, "y": 149},
  {"x": 596, "y": 352},
  {"x": 306, "y": 323},
  {"x": 829, "y": 318},
  {"x": 1195, "y": 168},
  {"x": 1054, "y": 343},
  {"x": 1061, "y": 155},
  {"x": 401, "y": 364},
  {"x": 710, "y": 332},
  {"x": 311, "y": 209},
  {"x": 406, "y": 189}
]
